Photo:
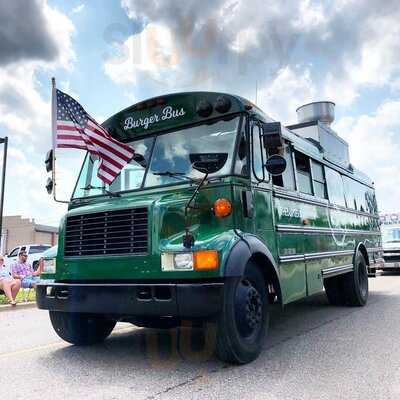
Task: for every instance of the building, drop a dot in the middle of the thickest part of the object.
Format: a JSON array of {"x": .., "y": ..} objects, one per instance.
[{"x": 17, "y": 230}]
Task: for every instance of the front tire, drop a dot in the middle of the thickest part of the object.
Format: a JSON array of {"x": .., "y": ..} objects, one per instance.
[
  {"x": 243, "y": 323},
  {"x": 349, "y": 289},
  {"x": 81, "y": 329}
]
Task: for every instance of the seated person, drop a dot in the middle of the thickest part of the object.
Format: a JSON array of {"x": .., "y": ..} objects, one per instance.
[
  {"x": 21, "y": 269},
  {"x": 8, "y": 284}
]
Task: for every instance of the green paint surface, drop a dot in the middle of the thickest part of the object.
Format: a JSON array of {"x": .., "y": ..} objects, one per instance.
[{"x": 271, "y": 210}]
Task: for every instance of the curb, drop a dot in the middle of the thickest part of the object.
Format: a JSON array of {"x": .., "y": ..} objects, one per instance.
[{"x": 23, "y": 305}]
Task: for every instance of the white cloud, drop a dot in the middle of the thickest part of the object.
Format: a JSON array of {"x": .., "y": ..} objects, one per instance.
[
  {"x": 152, "y": 51},
  {"x": 25, "y": 117},
  {"x": 61, "y": 28},
  {"x": 78, "y": 9},
  {"x": 225, "y": 44},
  {"x": 281, "y": 97},
  {"x": 374, "y": 141},
  {"x": 65, "y": 86}
]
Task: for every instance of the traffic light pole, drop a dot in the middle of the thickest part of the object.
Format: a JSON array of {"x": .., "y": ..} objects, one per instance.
[{"x": 3, "y": 181}]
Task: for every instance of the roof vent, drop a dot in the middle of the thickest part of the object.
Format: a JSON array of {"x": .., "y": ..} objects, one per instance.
[{"x": 323, "y": 111}]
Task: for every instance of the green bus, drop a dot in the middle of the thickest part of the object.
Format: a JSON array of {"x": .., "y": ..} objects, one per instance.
[{"x": 221, "y": 213}]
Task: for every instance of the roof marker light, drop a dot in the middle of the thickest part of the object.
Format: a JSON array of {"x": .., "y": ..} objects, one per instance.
[
  {"x": 204, "y": 108},
  {"x": 223, "y": 104}
]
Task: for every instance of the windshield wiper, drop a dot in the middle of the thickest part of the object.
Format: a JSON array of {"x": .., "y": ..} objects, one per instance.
[
  {"x": 176, "y": 175},
  {"x": 112, "y": 194}
]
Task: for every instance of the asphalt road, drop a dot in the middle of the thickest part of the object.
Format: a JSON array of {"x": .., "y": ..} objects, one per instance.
[{"x": 314, "y": 351}]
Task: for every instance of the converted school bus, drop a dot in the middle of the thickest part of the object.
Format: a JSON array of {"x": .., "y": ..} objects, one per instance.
[{"x": 221, "y": 212}]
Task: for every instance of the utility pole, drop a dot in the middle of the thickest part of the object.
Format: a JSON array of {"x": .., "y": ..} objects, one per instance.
[{"x": 3, "y": 181}]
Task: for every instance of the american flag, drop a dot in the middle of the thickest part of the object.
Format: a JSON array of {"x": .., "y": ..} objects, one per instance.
[{"x": 75, "y": 128}]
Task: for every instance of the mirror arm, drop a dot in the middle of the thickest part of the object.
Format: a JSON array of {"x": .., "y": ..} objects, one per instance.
[
  {"x": 53, "y": 176},
  {"x": 188, "y": 204},
  {"x": 188, "y": 239}
]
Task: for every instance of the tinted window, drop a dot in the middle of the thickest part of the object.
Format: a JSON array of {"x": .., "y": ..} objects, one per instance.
[
  {"x": 372, "y": 206},
  {"x": 172, "y": 151},
  {"x": 335, "y": 187},
  {"x": 303, "y": 173},
  {"x": 287, "y": 178},
  {"x": 350, "y": 192},
  {"x": 38, "y": 249},
  {"x": 319, "y": 180},
  {"x": 14, "y": 252},
  {"x": 241, "y": 166},
  {"x": 258, "y": 156},
  {"x": 359, "y": 197}
]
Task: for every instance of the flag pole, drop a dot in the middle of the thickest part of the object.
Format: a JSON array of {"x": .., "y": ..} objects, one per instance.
[
  {"x": 54, "y": 131},
  {"x": 54, "y": 136}
]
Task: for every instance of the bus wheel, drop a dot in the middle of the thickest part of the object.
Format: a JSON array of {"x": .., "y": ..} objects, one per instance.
[
  {"x": 81, "y": 329},
  {"x": 349, "y": 289},
  {"x": 242, "y": 324}
]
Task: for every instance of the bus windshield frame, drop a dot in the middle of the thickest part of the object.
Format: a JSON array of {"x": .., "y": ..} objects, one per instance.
[{"x": 153, "y": 146}]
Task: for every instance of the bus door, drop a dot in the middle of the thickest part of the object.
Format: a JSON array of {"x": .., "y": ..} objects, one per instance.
[
  {"x": 263, "y": 226},
  {"x": 289, "y": 214}
]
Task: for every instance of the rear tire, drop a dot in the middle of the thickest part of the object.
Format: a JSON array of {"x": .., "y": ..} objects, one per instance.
[
  {"x": 349, "y": 289},
  {"x": 243, "y": 323},
  {"x": 81, "y": 329}
]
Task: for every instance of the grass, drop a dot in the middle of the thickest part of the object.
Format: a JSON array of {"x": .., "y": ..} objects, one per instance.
[{"x": 20, "y": 297}]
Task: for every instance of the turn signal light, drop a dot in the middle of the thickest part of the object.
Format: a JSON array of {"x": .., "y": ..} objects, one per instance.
[
  {"x": 222, "y": 208},
  {"x": 205, "y": 260}
]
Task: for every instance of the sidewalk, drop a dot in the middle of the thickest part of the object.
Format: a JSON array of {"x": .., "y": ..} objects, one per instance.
[{"x": 21, "y": 305}]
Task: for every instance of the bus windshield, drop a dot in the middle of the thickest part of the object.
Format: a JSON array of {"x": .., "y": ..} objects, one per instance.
[
  {"x": 391, "y": 235},
  {"x": 164, "y": 159}
]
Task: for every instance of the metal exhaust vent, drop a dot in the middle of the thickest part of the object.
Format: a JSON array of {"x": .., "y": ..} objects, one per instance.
[{"x": 323, "y": 111}]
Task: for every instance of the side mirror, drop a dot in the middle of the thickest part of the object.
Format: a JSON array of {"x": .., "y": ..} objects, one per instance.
[
  {"x": 276, "y": 165},
  {"x": 49, "y": 185},
  {"x": 272, "y": 135},
  {"x": 49, "y": 161},
  {"x": 208, "y": 163}
]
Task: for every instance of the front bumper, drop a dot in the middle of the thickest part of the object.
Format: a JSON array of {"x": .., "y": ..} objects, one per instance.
[
  {"x": 183, "y": 300},
  {"x": 390, "y": 264}
]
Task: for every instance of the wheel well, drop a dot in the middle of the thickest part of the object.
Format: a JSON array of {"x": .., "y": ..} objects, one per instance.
[
  {"x": 269, "y": 273},
  {"x": 364, "y": 252}
]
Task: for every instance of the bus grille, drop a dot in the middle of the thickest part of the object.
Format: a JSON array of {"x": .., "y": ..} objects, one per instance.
[{"x": 109, "y": 232}]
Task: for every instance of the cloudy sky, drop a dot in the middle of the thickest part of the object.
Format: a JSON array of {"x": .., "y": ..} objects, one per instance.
[{"x": 110, "y": 54}]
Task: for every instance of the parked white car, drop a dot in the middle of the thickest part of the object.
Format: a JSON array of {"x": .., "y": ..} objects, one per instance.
[{"x": 34, "y": 251}]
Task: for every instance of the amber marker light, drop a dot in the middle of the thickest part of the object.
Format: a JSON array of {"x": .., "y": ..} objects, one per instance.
[
  {"x": 205, "y": 260},
  {"x": 222, "y": 208}
]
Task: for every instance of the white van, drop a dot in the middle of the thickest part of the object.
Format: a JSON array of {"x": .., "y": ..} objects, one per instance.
[
  {"x": 391, "y": 246},
  {"x": 34, "y": 251}
]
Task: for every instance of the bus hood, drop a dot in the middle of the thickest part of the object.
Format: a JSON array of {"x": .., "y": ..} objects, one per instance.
[{"x": 163, "y": 232}]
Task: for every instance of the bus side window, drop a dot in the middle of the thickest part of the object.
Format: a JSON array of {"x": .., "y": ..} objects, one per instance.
[
  {"x": 335, "y": 187},
  {"x": 303, "y": 171},
  {"x": 258, "y": 154},
  {"x": 319, "y": 180},
  {"x": 286, "y": 180},
  {"x": 372, "y": 206},
  {"x": 350, "y": 192},
  {"x": 241, "y": 165},
  {"x": 361, "y": 197}
]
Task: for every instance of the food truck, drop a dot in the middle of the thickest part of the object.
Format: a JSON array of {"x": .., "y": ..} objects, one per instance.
[{"x": 222, "y": 213}]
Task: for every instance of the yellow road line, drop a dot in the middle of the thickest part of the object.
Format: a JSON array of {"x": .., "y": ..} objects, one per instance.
[
  {"x": 31, "y": 350},
  {"x": 50, "y": 345}
]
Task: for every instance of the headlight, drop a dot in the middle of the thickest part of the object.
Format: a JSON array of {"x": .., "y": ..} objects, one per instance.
[
  {"x": 177, "y": 261},
  {"x": 49, "y": 266},
  {"x": 200, "y": 260}
]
